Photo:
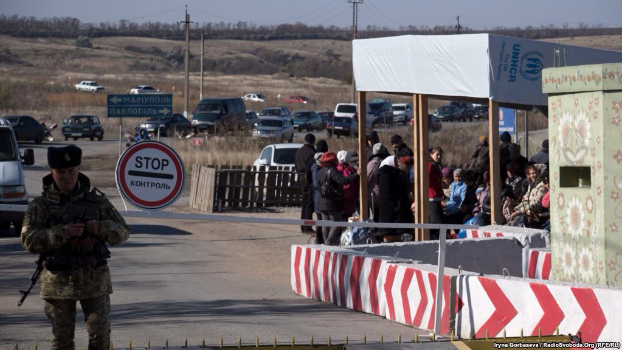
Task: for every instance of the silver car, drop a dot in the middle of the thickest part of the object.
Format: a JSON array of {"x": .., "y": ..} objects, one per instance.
[{"x": 274, "y": 128}]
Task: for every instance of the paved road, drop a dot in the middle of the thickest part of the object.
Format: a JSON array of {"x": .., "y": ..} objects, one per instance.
[{"x": 178, "y": 280}]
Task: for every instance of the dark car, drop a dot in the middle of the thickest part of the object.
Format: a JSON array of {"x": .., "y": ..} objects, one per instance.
[
  {"x": 214, "y": 113},
  {"x": 307, "y": 120},
  {"x": 447, "y": 113},
  {"x": 379, "y": 112},
  {"x": 343, "y": 126},
  {"x": 79, "y": 126},
  {"x": 26, "y": 128},
  {"x": 168, "y": 126},
  {"x": 433, "y": 124},
  {"x": 281, "y": 112},
  {"x": 326, "y": 118},
  {"x": 481, "y": 112},
  {"x": 465, "y": 110}
]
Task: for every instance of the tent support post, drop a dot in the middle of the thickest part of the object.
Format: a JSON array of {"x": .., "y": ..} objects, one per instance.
[
  {"x": 418, "y": 233},
  {"x": 423, "y": 199},
  {"x": 495, "y": 171},
  {"x": 362, "y": 149}
]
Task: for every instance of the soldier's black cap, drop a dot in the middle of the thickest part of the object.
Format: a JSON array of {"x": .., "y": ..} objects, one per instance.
[{"x": 64, "y": 157}]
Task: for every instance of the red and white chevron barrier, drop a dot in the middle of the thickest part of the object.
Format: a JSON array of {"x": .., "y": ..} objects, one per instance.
[
  {"x": 502, "y": 231},
  {"x": 537, "y": 264},
  {"x": 406, "y": 294},
  {"x": 497, "y": 304},
  {"x": 411, "y": 297}
]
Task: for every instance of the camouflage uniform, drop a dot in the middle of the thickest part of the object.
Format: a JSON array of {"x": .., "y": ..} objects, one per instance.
[{"x": 45, "y": 231}]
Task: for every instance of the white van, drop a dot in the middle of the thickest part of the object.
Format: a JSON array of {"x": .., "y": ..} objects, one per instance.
[
  {"x": 12, "y": 185},
  {"x": 348, "y": 110}
]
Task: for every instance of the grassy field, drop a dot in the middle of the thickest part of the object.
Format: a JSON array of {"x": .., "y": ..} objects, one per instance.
[{"x": 37, "y": 77}]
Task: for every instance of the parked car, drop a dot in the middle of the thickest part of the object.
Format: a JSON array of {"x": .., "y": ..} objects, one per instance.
[
  {"x": 481, "y": 112},
  {"x": 281, "y": 112},
  {"x": 255, "y": 97},
  {"x": 297, "y": 99},
  {"x": 274, "y": 128},
  {"x": 26, "y": 128},
  {"x": 402, "y": 113},
  {"x": 326, "y": 118},
  {"x": 342, "y": 126},
  {"x": 346, "y": 110},
  {"x": 79, "y": 126},
  {"x": 89, "y": 86},
  {"x": 307, "y": 120},
  {"x": 447, "y": 113},
  {"x": 281, "y": 154},
  {"x": 251, "y": 118},
  {"x": 143, "y": 89},
  {"x": 379, "y": 113},
  {"x": 168, "y": 126},
  {"x": 433, "y": 124},
  {"x": 465, "y": 110},
  {"x": 12, "y": 182},
  {"x": 213, "y": 114}
]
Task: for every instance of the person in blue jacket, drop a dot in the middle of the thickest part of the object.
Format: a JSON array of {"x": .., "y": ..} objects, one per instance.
[{"x": 456, "y": 197}]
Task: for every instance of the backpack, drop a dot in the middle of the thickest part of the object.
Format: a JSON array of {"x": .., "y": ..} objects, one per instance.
[{"x": 328, "y": 190}]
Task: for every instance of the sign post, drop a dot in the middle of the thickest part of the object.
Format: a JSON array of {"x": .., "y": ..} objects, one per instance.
[
  {"x": 138, "y": 106},
  {"x": 150, "y": 175}
]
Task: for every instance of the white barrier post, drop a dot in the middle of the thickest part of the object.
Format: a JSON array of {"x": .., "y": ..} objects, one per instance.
[{"x": 439, "y": 279}]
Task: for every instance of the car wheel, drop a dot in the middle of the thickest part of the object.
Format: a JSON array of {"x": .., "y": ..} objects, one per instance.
[
  {"x": 100, "y": 137},
  {"x": 75, "y": 138},
  {"x": 39, "y": 138},
  {"x": 66, "y": 138},
  {"x": 92, "y": 137},
  {"x": 17, "y": 225}
]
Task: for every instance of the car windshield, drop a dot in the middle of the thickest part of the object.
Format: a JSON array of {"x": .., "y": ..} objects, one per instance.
[
  {"x": 375, "y": 106},
  {"x": 13, "y": 120},
  {"x": 303, "y": 115},
  {"x": 285, "y": 155},
  {"x": 7, "y": 146},
  {"x": 271, "y": 123},
  {"x": 149, "y": 88},
  {"x": 343, "y": 120},
  {"x": 399, "y": 108},
  {"x": 271, "y": 112},
  {"x": 346, "y": 109},
  {"x": 445, "y": 109},
  {"x": 81, "y": 120},
  {"x": 261, "y": 96},
  {"x": 209, "y": 108}
]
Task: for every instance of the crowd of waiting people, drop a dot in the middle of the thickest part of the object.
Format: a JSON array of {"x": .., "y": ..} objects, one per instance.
[{"x": 456, "y": 195}]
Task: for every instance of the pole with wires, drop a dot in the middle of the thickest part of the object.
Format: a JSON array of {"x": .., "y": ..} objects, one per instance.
[
  {"x": 458, "y": 26},
  {"x": 354, "y": 30},
  {"x": 187, "y": 66}
]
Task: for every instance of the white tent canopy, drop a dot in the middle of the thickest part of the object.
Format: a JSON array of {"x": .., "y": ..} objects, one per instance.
[{"x": 499, "y": 68}]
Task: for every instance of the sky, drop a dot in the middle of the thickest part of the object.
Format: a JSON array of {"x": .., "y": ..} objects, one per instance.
[{"x": 476, "y": 14}]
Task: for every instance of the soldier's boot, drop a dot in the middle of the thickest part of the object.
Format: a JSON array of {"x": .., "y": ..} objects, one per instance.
[
  {"x": 96, "y": 312},
  {"x": 62, "y": 313}
]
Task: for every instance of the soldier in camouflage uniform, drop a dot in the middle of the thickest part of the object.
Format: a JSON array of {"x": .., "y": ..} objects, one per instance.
[{"x": 71, "y": 225}]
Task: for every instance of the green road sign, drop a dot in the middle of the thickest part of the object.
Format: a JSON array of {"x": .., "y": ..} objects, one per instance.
[{"x": 148, "y": 105}]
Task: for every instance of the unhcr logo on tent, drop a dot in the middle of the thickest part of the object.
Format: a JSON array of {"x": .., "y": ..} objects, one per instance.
[{"x": 531, "y": 65}]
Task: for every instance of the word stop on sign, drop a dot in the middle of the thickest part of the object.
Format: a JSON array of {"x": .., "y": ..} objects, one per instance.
[{"x": 150, "y": 175}]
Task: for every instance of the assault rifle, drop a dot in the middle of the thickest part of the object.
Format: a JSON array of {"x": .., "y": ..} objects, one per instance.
[{"x": 33, "y": 279}]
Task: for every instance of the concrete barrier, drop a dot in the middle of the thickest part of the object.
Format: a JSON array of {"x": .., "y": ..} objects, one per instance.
[
  {"x": 488, "y": 256},
  {"x": 537, "y": 264},
  {"x": 473, "y": 304}
]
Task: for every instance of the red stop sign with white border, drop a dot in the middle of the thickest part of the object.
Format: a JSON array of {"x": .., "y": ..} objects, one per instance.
[{"x": 150, "y": 175}]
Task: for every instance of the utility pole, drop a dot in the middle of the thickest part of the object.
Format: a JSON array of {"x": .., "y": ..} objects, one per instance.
[
  {"x": 458, "y": 26},
  {"x": 202, "y": 53},
  {"x": 355, "y": 15},
  {"x": 187, "y": 59}
]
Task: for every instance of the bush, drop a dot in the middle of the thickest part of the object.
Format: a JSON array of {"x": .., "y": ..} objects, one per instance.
[
  {"x": 6, "y": 96},
  {"x": 84, "y": 41}
]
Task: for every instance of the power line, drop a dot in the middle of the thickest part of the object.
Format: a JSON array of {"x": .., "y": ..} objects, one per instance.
[
  {"x": 153, "y": 15},
  {"x": 382, "y": 14}
]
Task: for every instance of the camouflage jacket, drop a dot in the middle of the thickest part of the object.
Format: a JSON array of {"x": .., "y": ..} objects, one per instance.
[{"x": 45, "y": 230}]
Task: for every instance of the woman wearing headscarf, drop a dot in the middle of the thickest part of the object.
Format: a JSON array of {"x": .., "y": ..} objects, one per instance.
[
  {"x": 394, "y": 201},
  {"x": 379, "y": 153},
  {"x": 331, "y": 206},
  {"x": 435, "y": 189},
  {"x": 350, "y": 191},
  {"x": 526, "y": 212},
  {"x": 515, "y": 178}
]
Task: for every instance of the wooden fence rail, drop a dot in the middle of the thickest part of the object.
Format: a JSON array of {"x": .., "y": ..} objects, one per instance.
[{"x": 244, "y": 187}]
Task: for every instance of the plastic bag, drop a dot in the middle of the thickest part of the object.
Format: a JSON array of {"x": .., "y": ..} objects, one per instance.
[
  {"x": 357, "y": 235},
  {"x": 462, "y": 233}
]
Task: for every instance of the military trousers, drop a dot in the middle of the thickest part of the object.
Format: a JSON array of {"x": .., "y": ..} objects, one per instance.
[{"x": 62, "y": 313}]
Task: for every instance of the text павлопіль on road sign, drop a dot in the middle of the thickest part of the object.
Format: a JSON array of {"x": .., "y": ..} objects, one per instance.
[
  {"x": 150, "y": 175},
  {"x": 151, "y": 105}
]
